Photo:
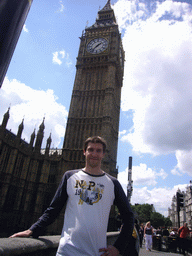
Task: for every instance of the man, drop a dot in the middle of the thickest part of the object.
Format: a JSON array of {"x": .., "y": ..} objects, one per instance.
[
  {"x": 88, "y": 194},
  {"x": 183, "y": 233}
]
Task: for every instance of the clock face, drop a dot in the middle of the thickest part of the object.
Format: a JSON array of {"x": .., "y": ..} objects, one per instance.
[{"x": 97, "y": 45}]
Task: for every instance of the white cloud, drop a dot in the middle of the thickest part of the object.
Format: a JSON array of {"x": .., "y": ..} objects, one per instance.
[
  {"x": 158, "y": 74},
  {"x": 56, "y": 59},
  {"x": 127, "y": 12},
  {"x": 68, "y": 61},
  {"x": 162, "y": 174},
  {"x": 143, "y": 177},
  {"x": 161, "y": 198},
  {"x": 122, "y": 133},
  {"x": 57, "y": 56},
  {"x": 62, "y": 7},
  {"x": 184, "y": 162},
  {"x": 154, "y": 196},
  {"x": 33, "y": 105},
  {"x": 62, "y": 54},
  {"x": 25, "y": 28}
]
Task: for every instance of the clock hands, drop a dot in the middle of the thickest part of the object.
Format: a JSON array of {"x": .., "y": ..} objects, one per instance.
[{"x": 97, "y": 46}]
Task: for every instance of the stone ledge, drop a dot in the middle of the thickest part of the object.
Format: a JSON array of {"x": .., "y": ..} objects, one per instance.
[
  {"x": 24, "y": 246},
  {"x": 44, "y": 245}
]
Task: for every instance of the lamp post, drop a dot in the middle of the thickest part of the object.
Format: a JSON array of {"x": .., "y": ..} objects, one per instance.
[{"x": 129, "y": 186}]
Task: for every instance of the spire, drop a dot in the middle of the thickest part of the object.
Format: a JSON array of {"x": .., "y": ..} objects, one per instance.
[
  {"x": 40, "y": 135},
  {"x": 5, "y": 119},
  {"x": 20, "y": 129},
  {"x": 42, "y": 126},
  {"x": 106, "y": 17},
  {"x": 32, "y": 139},
  {"x": 49, "y": 140},
  {"x": 107, "y": 13},
  {"x": 107, "y": 7}
]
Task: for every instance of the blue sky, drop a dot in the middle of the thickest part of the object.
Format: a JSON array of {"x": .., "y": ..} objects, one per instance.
[{"x": 156, "y": 105}]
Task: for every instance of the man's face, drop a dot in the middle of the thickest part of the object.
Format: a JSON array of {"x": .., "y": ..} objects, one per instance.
[{"x": 94, "y": 154}]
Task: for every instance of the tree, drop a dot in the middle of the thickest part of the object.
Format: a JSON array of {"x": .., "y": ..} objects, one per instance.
[
  {"x": 157, "y": 220},
  {"x": 168, "y": 222},
  {"x": 146, "y": 212},
  {"x": 143, "y": 212}
]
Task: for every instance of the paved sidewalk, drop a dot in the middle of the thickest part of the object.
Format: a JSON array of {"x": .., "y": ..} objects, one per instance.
[{"x": 144, "y": 252}]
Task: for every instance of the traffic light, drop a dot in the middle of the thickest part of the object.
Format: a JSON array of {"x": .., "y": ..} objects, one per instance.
[{"x": 180, "y": 201}]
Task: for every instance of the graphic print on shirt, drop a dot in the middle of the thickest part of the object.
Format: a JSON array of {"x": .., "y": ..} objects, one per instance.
[{"x": 88, "y": 192}]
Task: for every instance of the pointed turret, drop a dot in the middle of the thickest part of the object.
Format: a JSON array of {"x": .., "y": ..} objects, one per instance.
[
  {"x": 107, "y": 6},
  {"x": 32, "y": 139},
  {"x": 20, "y": 129},
  {"x": 106, "y": 17},
  {"x": 42, "y": 126},
  {"x": 49, "y": 140},
  {"x": 40, "y": 135},
  {"x": 107, "y": 14},
  {"x": 5, "y": 119}
]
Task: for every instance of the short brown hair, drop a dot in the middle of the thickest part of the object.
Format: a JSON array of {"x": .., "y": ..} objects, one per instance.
[{"x": 95, "y": 139}]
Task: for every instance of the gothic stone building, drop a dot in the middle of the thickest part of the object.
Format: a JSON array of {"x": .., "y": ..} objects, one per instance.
[
  {"x": 30, "y": 175},
  {"x": 185, "y": 213}
]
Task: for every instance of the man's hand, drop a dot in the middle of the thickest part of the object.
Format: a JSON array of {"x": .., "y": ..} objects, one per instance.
[
  {"x": 109, "y": 251},
  {"x": 26, "y": 233}
]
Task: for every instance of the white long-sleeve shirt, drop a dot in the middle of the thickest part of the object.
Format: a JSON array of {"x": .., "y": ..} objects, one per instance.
[{"x": 88, "y": 200}]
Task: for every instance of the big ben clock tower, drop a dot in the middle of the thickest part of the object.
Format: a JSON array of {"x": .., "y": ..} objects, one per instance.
[{"x": 95, "y": 102}]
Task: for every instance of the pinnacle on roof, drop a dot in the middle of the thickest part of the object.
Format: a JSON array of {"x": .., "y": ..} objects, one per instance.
[
  {"x": 107, "y": 6},
  {"x": 42, "y": 126},
  {"x": 21, "y": 126},
  {"x": 49, "y": 140},
  {"x": 106, "y": 17}
]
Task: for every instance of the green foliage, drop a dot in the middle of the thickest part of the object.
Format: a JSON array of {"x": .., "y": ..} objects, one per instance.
[
  {"x": 168, "y": 222},
  {"x": 143, "y": 212},
  {"x": 157, "y": 219},
  {"x": 146, "y": 212}
]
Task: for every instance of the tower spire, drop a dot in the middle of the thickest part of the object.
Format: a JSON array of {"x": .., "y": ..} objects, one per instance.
[
  {"x": 107, "y": 6},
  {"x": 105, "y": 17}
]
